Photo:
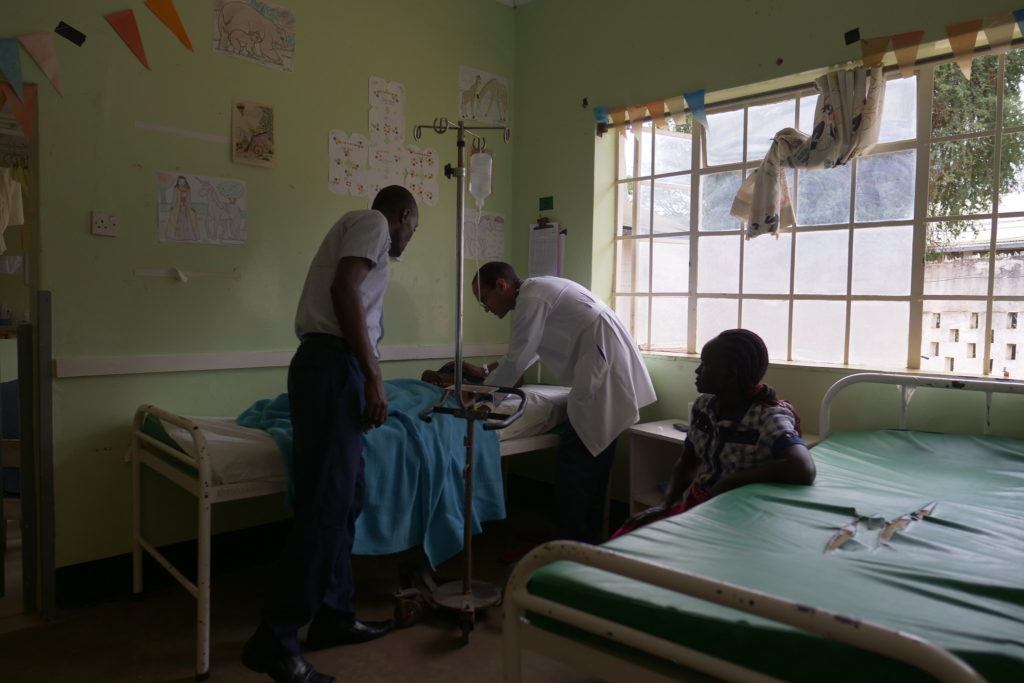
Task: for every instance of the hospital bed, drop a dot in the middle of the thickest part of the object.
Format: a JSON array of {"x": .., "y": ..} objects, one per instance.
[
  {"x": 858, "y": 577},
  {"x": 217, "y": 461}
]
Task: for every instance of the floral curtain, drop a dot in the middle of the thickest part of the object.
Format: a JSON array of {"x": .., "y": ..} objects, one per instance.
[{"x": 846, "y": 122}]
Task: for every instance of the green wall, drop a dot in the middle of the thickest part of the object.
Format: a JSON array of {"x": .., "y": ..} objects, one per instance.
[{"x": 93, "y": 157}]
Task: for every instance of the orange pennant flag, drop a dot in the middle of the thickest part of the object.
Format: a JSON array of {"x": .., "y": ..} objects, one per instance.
[
  {"x": 40, "y": 47},
  {"x": 619, "y": 119},
  {"x": 124, "y": 23},
  {"x": 873, "y": 50},
  {"x": 998, "y": 29},
  {"x": 657, "y": 111},
  {"x": 636, "y": 117},
  {"x": 24, "y": 110},
  {"x": 962, "y": 38},
  {"x": 676, "y": 107},
  {"x": 166, "y": 12},
  {"x": 905, "y": 46}
]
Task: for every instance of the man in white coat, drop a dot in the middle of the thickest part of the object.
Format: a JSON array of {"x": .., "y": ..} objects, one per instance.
[{"x": 585, "y": 345}]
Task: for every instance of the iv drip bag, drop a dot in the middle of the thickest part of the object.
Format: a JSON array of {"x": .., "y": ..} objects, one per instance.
[{"x": 480, "y": 165}]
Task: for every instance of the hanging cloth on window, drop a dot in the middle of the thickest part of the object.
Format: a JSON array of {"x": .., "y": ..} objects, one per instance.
[
  {"x": 846, "y": 122},
  {"x": 11, "y": 212}
]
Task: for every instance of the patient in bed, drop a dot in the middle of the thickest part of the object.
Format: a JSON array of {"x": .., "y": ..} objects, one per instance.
[{"x": 740, "y": 432}]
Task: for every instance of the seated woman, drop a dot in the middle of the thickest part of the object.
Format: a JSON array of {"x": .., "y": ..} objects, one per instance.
[{"x": 740, "y": 432}]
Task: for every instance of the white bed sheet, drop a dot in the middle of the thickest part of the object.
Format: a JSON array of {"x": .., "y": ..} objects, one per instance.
[{"x": 245, "y": 454}]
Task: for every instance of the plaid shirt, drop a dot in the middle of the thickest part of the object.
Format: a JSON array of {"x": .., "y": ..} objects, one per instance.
[{"x": 724, "y": 446}]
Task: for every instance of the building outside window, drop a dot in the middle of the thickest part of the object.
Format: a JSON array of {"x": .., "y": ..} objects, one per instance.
[{"x": 972, "y": 350}]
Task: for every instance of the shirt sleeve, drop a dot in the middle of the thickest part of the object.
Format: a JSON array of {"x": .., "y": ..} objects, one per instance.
[
  {"x": 778, "y": 429},
  {"x": 367, "y": 238},
  {"x": 527, "y": 331}
]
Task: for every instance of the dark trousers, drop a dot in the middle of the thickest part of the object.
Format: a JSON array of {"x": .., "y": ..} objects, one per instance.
[
  {"x": 325, "y": 390},
  {"x": 581, "y": 488}
]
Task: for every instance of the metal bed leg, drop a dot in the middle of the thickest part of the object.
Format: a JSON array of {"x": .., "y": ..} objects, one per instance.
[
  {"x": 203, "y": 590},
  {"x": 136, "y": 520}
]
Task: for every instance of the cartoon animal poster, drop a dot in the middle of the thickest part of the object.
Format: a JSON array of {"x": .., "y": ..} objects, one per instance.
[
  {"x": 195, "y": 209},
  {"x": 252, "y": 134},
  {"x": 256, "y": 31},
  {"x": 485, "y": 235},
  {"x": 483, "y": 97}
]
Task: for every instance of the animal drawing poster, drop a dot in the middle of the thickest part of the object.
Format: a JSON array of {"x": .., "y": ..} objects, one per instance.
[
  {"x": 196, "y": 209},
  {"x": 252, "y": 134},
  {"x": 483, "y": 97},
  {"x": 256, "y": 31},
  {"x": 348, "y": 156},
  {"x": 485, "y": 235}
]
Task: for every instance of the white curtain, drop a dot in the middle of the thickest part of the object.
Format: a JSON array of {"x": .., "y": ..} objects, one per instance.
[{"x": 846, "y": 122}]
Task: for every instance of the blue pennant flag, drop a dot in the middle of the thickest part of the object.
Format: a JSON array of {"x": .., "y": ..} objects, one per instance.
[
  {"x": 695, "y": 101},
  {"x": 10, "y": 65},
  {"x": 1018, "y": 16},
  {"x": 601, "y": 115}
]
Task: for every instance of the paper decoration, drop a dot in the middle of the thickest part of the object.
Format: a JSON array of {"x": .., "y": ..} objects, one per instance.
[
  {"x": 619, "y": 120},
  {"x": 252, "y": 134},
  {"x": 388, "y": 159},
  {"x": 905, "y": 46},
  {"x": 349, "y": 160},
  {"x": 483, "y": 96},
  {"x": 998, "y": 29},
  {"x": 39, "y": 46},
  {"x": 24, "y": 110},
  {"x": 962, "y": 38},
  {"x": 70, "y": 33},
  {"x": 852, "y": 36},
  {"x": 676, "y": 106},
  {"x": 10, "y": 65},
  {"x": 636, "y": 117},
  {"x": 256, "y": 31},
  {"x": 657, "y": 112},
  {"x": 873, "y": 50},
  {"x": 485, "y": 236},
  {"x": 601, "y": 115},
  {"x": 421, "y": 176},
  {"x": 166, "y": 12},
  {"x": 1018, "y": 16},
  {"x": 695, "y": 101},
  {"x": 124, "y": 24},
  {"x": 197, "y": 209}
]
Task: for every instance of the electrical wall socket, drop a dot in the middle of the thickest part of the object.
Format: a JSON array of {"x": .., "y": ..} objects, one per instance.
[{"x": 104, "y": 224}]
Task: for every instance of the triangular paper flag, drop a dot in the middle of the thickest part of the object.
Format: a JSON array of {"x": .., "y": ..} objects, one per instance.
[
  {"x": 124, "y": 23},
  {"x": 70, "y": 33},
  {"x": 166, "y": 12},
  {"x": 695, "y": 101},
  {"x": 601, "y": 115},
  {"x": 873, "y": 50},
  {"x": 1018, "y": 16},
  {"x": 619, "y": 120},
  {"x": 636, "y": 117},
  {"x": 24, "y": 110},
  {"x": 962, "y": 38},
  {"x": 676, "y": 105},
  {"x": 10, "y": 65},
  {"x": 657, "y": 111},
  {"x": 905, "y": 46},
  {"x": 998, "y": 29},
  {"x": 40, "y": 47}
]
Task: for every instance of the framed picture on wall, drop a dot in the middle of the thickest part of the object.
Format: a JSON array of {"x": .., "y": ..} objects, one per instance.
[{"x": 252, "y": 134}]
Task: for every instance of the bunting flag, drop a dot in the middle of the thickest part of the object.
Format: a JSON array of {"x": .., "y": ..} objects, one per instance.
[
  {"x": 166, "y": 12},
  {"x": 873, "y": 50},
  {"x": 962, "y": 38},
  {"x": 998, "y": 29},
  {"x": 40, "y": 47},
  {"x": 636, "y": 117},
  {"x": 10, "y": 65},
  {"x": 1018, "y": 16},
  {"x": 619, "y": 120},
  {"x": 676, "y": 105},
  {"x": 601, "y": 115},
  {"x": 124, "y": 23},
  {"x": 24, "y": 110},
  {"x": 695, "y": 101},
  {"x": 657, "y": 112},
  {"x": 70, "y": 33},
  {"x": 905, "y": 46}
]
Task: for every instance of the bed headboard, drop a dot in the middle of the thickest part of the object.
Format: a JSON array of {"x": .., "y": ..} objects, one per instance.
[{"x": 908, "y": 383}]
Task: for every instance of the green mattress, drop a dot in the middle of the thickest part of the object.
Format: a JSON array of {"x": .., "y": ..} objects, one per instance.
[{"x": 955, "y": 578}]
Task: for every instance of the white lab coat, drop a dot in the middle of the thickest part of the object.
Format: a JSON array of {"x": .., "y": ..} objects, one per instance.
[{"x": 585, "y": 345}]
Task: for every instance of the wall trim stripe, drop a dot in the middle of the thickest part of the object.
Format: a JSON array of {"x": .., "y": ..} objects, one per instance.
[{"x": 102, "y": 366}]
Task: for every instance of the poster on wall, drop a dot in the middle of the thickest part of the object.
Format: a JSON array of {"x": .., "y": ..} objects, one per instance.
[
  {"x": 196, "y": 209},
  {"x": 421, "y": 174},
  {"x": 485, "y": 235},
  {"x": 348, "y": 157},
  {"x": 256, "y": 31},
  {"x": 252, "y": 134},
  {"x": 483, "y": 97}
]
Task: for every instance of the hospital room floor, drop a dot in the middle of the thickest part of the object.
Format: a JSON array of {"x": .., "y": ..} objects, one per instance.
[{"x": 152, "y": 639}]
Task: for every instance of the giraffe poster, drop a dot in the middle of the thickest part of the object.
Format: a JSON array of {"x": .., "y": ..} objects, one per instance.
[
  {"x": 483, "y": 97},
  {"x": 195, "y": 209}
]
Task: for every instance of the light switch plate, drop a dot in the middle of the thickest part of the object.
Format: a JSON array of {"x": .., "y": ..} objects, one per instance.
[{"x": 104, "y": 224}]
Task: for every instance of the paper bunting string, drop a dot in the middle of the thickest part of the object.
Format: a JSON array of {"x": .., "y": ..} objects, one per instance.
[
  {"x": 905, "y": 46},
  {"x": 124, "y": 23},
  {"x": 873, "y": 50},
  {"x": 10, "y": 65},
  {"x": 676, "y": 107},
  {"x": 601, "y": 115},
  {"x": 636, "y": 117},
  {"x": 657, "y": 111},
  {"x": 166, "y": 12},
  {"x": 70, "y": 33},
  {"x": 998, "y": 29},
  {"x": 24, "y": 110},
  {"x": 962, "y": 38},
  {"x": 39, "y": 46},
  {"x": 695, "y": 101},
  {"x": 619, "y": 120}
]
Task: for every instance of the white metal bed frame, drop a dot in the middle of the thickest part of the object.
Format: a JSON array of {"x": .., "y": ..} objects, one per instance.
[
  {"x": 519, "y": 633},
  {"x": 145, "y": 450}
]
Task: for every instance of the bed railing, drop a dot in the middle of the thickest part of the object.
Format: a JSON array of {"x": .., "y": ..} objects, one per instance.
[{"x": 909, "y": 383}]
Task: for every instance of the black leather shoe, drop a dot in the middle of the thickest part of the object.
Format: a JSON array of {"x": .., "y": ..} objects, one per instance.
[
  {"x": 323, "y": 634},
  {"x": 287, "y": 669}
]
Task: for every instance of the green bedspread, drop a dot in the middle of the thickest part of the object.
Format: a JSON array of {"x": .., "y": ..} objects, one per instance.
[{"x": 956, "y": 578}]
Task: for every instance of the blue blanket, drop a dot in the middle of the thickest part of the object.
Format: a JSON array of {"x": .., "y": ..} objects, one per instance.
[{"x": 413, "y": 471}]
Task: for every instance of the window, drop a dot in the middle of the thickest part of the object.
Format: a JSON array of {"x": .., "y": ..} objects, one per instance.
[
  {"x": 949, "y": 364},
  {"x": 1011, "y": 321},
  {"x": 843, "y": 286},
  {"x": 1011, "y": 352},
  {"x": 972, "y": 350}
]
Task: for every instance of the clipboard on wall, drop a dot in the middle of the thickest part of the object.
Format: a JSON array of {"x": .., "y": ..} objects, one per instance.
[{"x": 547, "y": 248}]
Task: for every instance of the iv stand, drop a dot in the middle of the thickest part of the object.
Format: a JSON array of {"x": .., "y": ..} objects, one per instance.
[{"x": 465, "y": 596}]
